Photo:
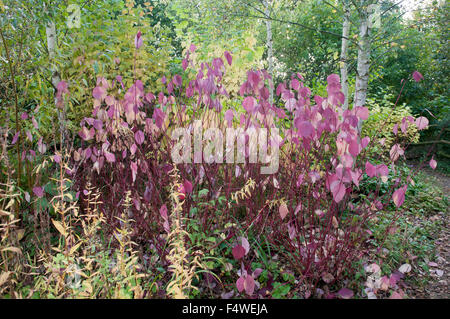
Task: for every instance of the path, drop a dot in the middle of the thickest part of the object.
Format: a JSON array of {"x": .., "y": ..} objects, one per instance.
[{"x": 438, "y": 287}]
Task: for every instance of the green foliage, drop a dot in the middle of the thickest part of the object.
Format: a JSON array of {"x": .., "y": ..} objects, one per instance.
[
  {"x": 105, "y": 45},
  {"x": 425, "y": 197},
  {"x": 384, "y": 115},
  {"x": 305, "y": 48},
  {"x": 206, "y": 31}
]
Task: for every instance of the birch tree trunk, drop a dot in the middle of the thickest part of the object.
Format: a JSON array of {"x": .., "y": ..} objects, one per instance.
[
  {"x": 362, "y": 72},
  {"x": 269, "y": 46},
  {"x": 50, "y": 31},
  {"x": 344, "y": 53}
]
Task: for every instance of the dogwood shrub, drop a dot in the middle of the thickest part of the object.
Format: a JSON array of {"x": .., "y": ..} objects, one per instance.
[{"x": 310, "y": 209}]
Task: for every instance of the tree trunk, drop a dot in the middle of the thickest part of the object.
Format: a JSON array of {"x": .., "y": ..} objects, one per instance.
[
  {"x": 51, "y": 47},
  {"x": 344, "y": 53},
  {"x": 362, "y": 72},
  {"x": 269, "y": 46}
]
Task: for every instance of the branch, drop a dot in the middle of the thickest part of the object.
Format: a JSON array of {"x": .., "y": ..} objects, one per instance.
[{"x": 300, "y": 25}]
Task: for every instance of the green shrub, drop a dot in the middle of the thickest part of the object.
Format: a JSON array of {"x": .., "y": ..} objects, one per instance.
[{"x": 384, "y": 115}]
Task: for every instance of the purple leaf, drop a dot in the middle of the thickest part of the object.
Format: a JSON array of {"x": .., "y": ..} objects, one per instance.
[
  {"x": 305, "y": 129},
  {"x": 382, "y": 170},
  {"x": 433, "y": 163},
  {"x": 421, "y": 123},
  {"x": 62, "y": 86},
  {"x": 370, "y": 169},
  {"x": 345, "y": 293},
  {"x": 163, "y": 212},
  {"x": 245, "y": 244},
  {"x": 57, "y": 158},
  {"x": 99, "y": 93},
  {"x": 395, "y": 129},
  {"x": 98, "y": 124},
  {"x": 333, "y": 78},
  {"x": 249, "y": 285},
  {"x": 35, "y": 123},
  {"x": 229, "y": 115},
  {"x": 134, "y": 169},
  {"x": 353, "y": 148},
  {"x": 249, "y": 103},
  {"x": 240, "y": 284},
  {"x": 257, "y": 272},
  {"x": 295, "y": 84},
  {"x": 365, "y": 141},
  {"x": 283, "y": 211},
  {"x": 417, "y": 76},
  {"x": 362, "y": 112},
  {"x": 399, "y": 196},
  {"x": 290, "y": 104},
  {"x": 29, "y": 136},
  {"x": 110, "y": 157},
  {"x": 187, "y": 187},
  {"x": 228, "y": 57},
  {"x": 227, "y": 295},
  {"x": 133, "y": 149},
  {"x": 177, "y": 80},
  {"x": 38, "y": 191},
  {"x": 14, "y": 140},
  {"x": 238, "y": 252},
  {"x": 339, "y": 192},
  {"x": 139, "y": 137},
  {"x": 138, "y": 40}
]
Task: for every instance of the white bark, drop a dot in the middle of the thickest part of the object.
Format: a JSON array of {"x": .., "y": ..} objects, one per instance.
[
  {"x": 344, "y": 53},
  {"x": 269, "y": 46},
  {"x": 50, "y": 31},
  {"x": 362, "y": 72}
]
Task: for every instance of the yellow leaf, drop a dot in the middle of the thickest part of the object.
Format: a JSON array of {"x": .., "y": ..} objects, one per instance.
[
  {"x": 74, "y": 248},
  {"x": 59, "y": 227},
  {"x": 69, "y": 195},
  {"x": 10, "y": 203},
  {"x": 13, "y": 249},
  {"x": 20, "y": 233},
  {"x": 4, "y": 213},
  {"x": 4, "y": 277}
]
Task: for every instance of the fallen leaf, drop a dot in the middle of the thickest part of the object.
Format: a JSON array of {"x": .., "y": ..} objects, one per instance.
[
  {"x": 345, "y": 293},
  {"x": 405, "y": 268}
]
